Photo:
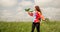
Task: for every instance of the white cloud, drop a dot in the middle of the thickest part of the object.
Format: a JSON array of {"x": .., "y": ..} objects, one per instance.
[
  {"x": 11, "y": 15},
  {"x": 7, "y": 3},
  {"x": 42, "y": 1},
  {"x": 19, "y": 9},
  {"x": 25, "y": 3},
  {"x": 6, "y": 13},
  {"x": 48, "y": 3},
  {"x": 51, "y": 13},
  {"x": 37, "y": 2}
]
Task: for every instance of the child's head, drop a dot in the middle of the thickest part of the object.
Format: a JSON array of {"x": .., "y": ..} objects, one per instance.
[{"x": 37, "y": 9}]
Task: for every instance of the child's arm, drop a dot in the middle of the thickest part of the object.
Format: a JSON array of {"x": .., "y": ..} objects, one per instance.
[
  {"x": 30, "y": 13},
  {"x": 42, "y": 17}
]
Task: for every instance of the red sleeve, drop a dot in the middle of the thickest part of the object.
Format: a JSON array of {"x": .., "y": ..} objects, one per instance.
[
  {"x": 31, "y": 14},
  {"x": 41, "y": 16}
]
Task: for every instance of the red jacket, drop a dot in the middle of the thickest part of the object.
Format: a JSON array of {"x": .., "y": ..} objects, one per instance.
[{"x": 37, "y": 16}]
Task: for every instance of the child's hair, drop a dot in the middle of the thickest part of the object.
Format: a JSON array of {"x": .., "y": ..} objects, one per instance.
[{"x": 38, "y": 9}]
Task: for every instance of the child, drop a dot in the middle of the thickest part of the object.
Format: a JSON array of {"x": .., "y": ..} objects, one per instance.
[{"x": 37, "y": 15}]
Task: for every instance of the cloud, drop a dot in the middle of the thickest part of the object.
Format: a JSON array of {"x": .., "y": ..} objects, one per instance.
[
  {"x": 51, "y": 13},
  {"x": 8, "y": 3},
  {"x": 17, "y": 14},
  {"x": 21, "y": 15},
  {"x": 19, "y": 9},
  {"x": 25, "y": 3},
  {"x": 14, "y": 14},
  {"x": 6, "y": 13},
  {"x": 42, "y": 1},
  {"x": 48, "y": 3}
]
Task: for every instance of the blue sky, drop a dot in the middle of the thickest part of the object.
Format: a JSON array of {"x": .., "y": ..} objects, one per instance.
[{"x": 12, "y": 10}]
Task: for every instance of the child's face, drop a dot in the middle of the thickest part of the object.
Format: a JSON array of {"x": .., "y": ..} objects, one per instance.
[{"x": 35, "y": 9}]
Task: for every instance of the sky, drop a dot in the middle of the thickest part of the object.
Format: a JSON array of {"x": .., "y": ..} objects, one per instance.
[{"x": 13, "y": 10}]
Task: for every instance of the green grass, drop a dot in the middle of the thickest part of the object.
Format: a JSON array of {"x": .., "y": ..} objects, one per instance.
[
  {"x": 15, "y": 27},
  {"x": 50, "y": 27},
  {"x": 26, "y": 27}
]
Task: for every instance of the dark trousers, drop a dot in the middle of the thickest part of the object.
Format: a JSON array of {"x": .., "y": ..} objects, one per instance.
[{"x": 37, "y": 25}]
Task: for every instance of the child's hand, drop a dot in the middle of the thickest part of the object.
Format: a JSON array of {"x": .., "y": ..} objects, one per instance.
[{"x": 45, "y": 20}]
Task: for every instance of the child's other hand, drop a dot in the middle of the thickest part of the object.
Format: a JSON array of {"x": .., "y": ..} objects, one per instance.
[{"x": 45, "y": 20}]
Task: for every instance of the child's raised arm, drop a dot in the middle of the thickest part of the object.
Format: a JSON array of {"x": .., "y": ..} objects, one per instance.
[{"x": 30, "y": 13}]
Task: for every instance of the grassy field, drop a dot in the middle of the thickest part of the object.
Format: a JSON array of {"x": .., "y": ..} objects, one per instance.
[{"x": 26, "y": 27}]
